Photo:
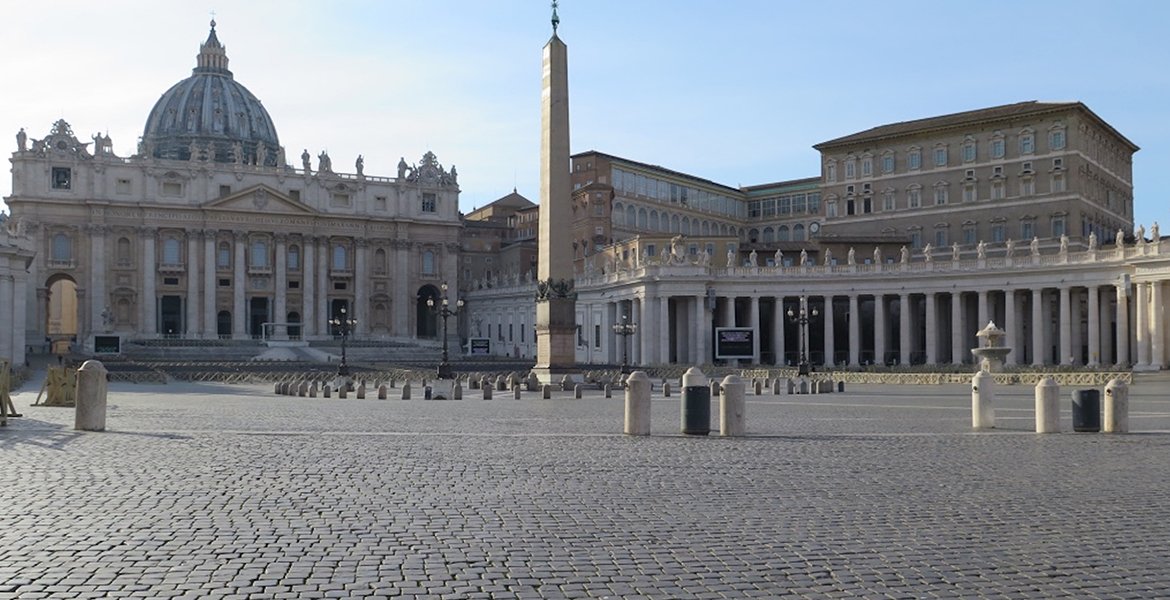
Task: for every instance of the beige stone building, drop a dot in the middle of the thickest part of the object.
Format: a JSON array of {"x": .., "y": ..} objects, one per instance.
[{"x": 207, "y": 232}]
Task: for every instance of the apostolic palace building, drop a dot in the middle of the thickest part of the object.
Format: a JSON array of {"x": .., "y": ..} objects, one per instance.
[{"x": 912, "y": 237}]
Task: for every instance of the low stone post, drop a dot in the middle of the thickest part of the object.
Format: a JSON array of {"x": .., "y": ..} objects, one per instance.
[
  {"x": 546, "y": 391},
  {"x": 803, "y": 385},
  {"x": 313, "y": 390},
  {"x": 382, "y": 392},
  {"x": 759, "y": 387},
  {"x": 406, "y": 390},
  {"x": 487, "y": 392},
  {"x": 427, "y": 392},
  {"x": 714, "y": 388},
  {"x": 1047, "y": 406},
  {"x": 608, "y": 390},
  {"x": 516, "y": 392},
  {"x": 501, "y": 384},
  {"x": 276, "y": 388},
  {"x": 566, "y": 383},
  {"x": 776, "y": 387},
  {"x": 577, "y": 391},
  {"x": 326, "y": 391},
  {"x": 637, "y": 404},
  {"x": 1116, "y": 406},
  {"x": 791, "y": 386},
  {"x": 665, "y": 389},
  {"x": 456, "y": 390},
  {"x": 90, "y": 411},
  {"x": 472, "y": 383},
  {"x": 361, "y": 391},
  {"x": 983, "y": 401},
  {"x": 342, "y": 390},
  {"x": 731, "y": 406}
]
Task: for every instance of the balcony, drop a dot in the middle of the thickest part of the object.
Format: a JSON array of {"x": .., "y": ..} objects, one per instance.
[
  {"x": 62, "y": 264},
  {"x": 172, "y": 268}
]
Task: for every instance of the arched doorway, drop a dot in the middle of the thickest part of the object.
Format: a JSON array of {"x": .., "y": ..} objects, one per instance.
[
  {"x": 426, "y": 322},
  {"x": 62, "y": 321},
  {"x": 294, "y": 331}
]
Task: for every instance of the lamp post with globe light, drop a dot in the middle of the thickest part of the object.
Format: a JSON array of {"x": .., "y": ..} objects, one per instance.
[
  {"x": 444, "y": 310},
  {"x": 801, "y": 318},
  {"x": 343, "y": 325},
  {"x": 625, "y": 329}
]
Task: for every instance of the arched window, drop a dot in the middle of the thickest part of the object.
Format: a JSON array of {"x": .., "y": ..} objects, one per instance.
[
  {"x": 62, "y": 247},
  {"x": 294, "y": 258},
  {"x": 171, "y": 254},
  {"x": 754, "y": 235},
  {"x": 674, "y": 223},
  {"x": 223, "y": 258},
  {"x": 686, "y": 226},
  {"x": 769, "y": 235},
  {"x": 631, "y": 217},
  {"x": 642, "y": 218},
  {"x": 654, "y": 220},
  {"x": 798, "y": 232},
  {"x": 428, "y": 263},
  {"x": 123, "y": 256},
  {"x": 379, "y": 261},
  {"x": 706, "y": 228},
  {"x": 340, "y": 258},
  {"x": 619, "y": 214},
  {"x": 259, "y": 253},
  {"x": 782, "y": 234}
]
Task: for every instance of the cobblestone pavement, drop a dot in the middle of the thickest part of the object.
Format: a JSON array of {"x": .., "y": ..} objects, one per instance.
[{"x": 208, "y": 491}]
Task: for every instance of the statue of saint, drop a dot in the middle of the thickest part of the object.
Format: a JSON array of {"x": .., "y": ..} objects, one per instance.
[
  {"x": 261, "y": 154},
  {"x": 752, "y": 259},
  {"x": 981, "y": 250},
  {"x": 1010, "y": 247},
  {"x": 731, "y": 258},
  {"x": 703, "y": 259},
  {"x": 280, "y": 157},
  {"x": 1092, "y": 240},
  {"x": 905, "y": 255},
  {"x": 1119, "y": 241},
  {"x": 360, "y": 165},
  {"x": 1154, "y": 236},
  {"x": 305, "y": 161},
  {"x": 454, "y": 175},
  {"x": 828, "y": 257},
  {"x": 803, "y": 257},
  {"x": 928, "y": 252},
  {"x": 1035, "y": 244},
  {"x": 401, "y": 167},
  {"x": 324, "y": 163},
  {"x": 21, "y": 139},
  {"x": 778, "y": 258},
  {"x": 851, "y": 258},
  {"x": 1140, "y": 234},
  {"x": 1063, "y": 244},
  {"x": 877, "y": 255},
  {"x": 955, "y": 252},
  {"x": 238, "y": 153},
  {"x": 193, "y": 148}
]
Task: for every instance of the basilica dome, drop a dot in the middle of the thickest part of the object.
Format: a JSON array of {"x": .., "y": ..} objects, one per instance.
[{"x": 211, "y": 116}]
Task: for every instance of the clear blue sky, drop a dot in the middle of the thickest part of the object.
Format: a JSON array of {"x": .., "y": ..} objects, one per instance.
[{"x": 732, "y": 91}]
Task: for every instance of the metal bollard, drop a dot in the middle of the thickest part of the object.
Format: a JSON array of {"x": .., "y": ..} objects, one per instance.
[
  {"x": 637, "y": 404},
  {"x": 1047, "y": 406},
  {"x": 381, "y": 392},
  {"x": 1116, "y": 407},
  {"x": 731, "y": 406},
  {"x": 546, "y": 391},
  {"x": 456, "y": 390},
  {"x": 696, "y": 403},
  {"x": 577, "y": 391},
  {"x": 90, "y": 407},
  {"x": 515, "y": 392},
  {"x": 1086, "y": 410},
  {"x": 406, "y": 390},
  {"x": 487, "y": 392},
  {"x": 983, "y": 401}
]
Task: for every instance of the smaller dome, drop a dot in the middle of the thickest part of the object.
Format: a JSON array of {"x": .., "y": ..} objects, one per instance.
[{"x": 211, "y": 116}]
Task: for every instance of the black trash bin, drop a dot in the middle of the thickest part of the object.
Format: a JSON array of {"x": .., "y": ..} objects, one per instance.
[
  {"x": 1086, "y": 410},
  {"x": 696, "y": 410}
]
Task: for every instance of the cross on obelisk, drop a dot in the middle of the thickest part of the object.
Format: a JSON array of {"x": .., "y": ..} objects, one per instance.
[{"x": 556, "y": 320}]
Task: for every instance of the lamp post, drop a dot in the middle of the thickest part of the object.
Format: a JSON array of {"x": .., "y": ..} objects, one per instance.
[
  {"x": 344, "y": 326},
  {"x": 801, "y": 318},
  {"x": 625, "y": 329},
  {"x": 444, "y": 310}
]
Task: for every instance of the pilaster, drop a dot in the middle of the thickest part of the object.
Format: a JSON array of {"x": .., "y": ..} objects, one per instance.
[
  {"x": 879, "y": 329},
  {"x": 1094, "y": 296},
  {"x": 1122, "y": 327},
  {"x": 931, "y": 328},
  {"x": 239, "y": 281},
  {"x": 149, "y": 301},
  {"x": 904, "y": 329},
  {"x": 854, "y": 331},
  {"x": 1038, "y": 349}
]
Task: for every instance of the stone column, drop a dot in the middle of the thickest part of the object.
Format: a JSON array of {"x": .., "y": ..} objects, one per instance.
[
  {"x": 239, "y": 281},
  {"x": 1105, "y": 318},
  {"x": 1077, "y": 338},
  {"x": 778, "y": 318},
  {"x": 210, "y": 322},
  {"x": 1122, "y": 352},
  {"x": 755, "y": 324},
  {"x": 879, "y": 329},
  {"x": 192, "y": 301},
  {"x": 608, "y": 339},
  {"x": 958, "y": 329},
  {"x": 639, "y": 335},
  {"x": 854, "y": 331},
  {"x": 361, "y": 293},
  {"x": 8, "y": 319},
  {"x": 1094, "y": 326},
  {"x": 1141, "y": 330},
  {"x": 663, "y": 329},
  {"x": 703, "y": 327},
  {"x": 1011, "y": 326},
  {"x": 20, "y": 314},
  {"x": 98, "y": 299},
  {"x": 1038, "y": 349},
  {"x": 280, "y": 300},
  {"x": 931, "y": 328},
  {"x": 982, "y": 311},
  {"x": 830, "y": 346},
  {"x": 309, "y": 288},
  {"x": 728, "y": 319},
  {"x": 149, "y": 326},
  {"x": 322, "y": 291},
  {"x": 904, "y": 329},
  {"x": 401, "y": 294},
  {"x": 1065, "y": 320},
  {"x": 1157, "y": 331}
]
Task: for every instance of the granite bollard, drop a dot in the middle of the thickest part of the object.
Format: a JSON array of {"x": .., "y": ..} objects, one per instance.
[
  {"x": 1047, "y": 406},
  {"x": 983, "y": 401},
  {"x": 406, "y": 390},
  {"x": 456, "y": 390},
  {"x": 731, "y": 406},
  {"x": 637, "y": 404},
  {"x": 516, "y": 392},
  {"x": 382, "y": 392},
  {"x": 1116, "y": 407},
  {"x": 487, "y": 392},
  {"x": 577, "y": 391},
  {"x": 326, "y": 391},
  {"x": 90, "y": 407},
  {"x": 546, "y": 391}
]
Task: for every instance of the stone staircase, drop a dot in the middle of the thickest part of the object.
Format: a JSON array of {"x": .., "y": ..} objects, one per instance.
[{"x": 394, "y": 351}]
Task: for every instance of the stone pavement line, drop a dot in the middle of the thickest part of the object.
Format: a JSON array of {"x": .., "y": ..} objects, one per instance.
[{"x": 266, "y": 498}]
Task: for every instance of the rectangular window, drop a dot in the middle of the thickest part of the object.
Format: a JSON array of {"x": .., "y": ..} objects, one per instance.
[
  {"x": 293, "y": 284},
  {"x": 62, "y": 178},
  {"x": 914, "y": 199},
  {"x": 1027, "y": 186},
  {"x": 968, "y": 193},
  {"x": 170, "y": 281},
  {"x": 831, "y": 209},
  {"x": 1056, "y": 140},
  {"x": 597, "y": 336},
  {"x": 1027, "y": 231},
  {"x": 339, "y": 286},
  {"x": 888, "y": 202},
  {"x": 914, "y": 160},
  {"x": 968, "y": 152},
  {"x": 225, "y": 282},
  {"x": 831, "y": 172},
  {"x": 339, "y": 200},
  {"x": 294, "y": 195},
  {"x": 380, "y": 203},
  {"x": 1027, "y": 144},
  {"x": 997, "y": 190},
  {"x": 122, "y": 187},
  {"x": 225, "y": 190},
  {"x": 940, "y": 196},
  {"x": 650, "y": 250},
  {"x": 888, "y": 163},
  {"x": 1058, "y": 228},
  {"x": 850, "y": 169},
  {"x": 915, "y": 239},
  {"x": 997, "y": 233},
  {"x": 940, "y": 157},
  {"x": 997, "y": 149},
  {"x": 969, "y": 234},
  {"x": 1058, "y": 163},
  {"x": 1057, "y": 183},
  {"x": 940, "y": 238},
  {"x": 867, "y": 167},
  {"x": 172, "y": 188},
  {"x": 428, "y": 202}
]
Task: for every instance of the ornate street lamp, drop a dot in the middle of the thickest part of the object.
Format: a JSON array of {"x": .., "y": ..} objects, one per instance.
[
  {"x": 801, "y": 318},
  {"x": 625, "y": 329},
  {"x": 444, "y": 311},
  {"x": 344, "y": 326}
]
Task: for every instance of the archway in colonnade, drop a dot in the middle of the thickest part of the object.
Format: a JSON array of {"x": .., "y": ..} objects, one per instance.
[
  {"x": 61, "y": 317},
  {"x": 426, "y": 322}
]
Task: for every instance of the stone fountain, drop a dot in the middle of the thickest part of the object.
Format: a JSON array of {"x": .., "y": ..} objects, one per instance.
[{"x": 991, "y": 350}]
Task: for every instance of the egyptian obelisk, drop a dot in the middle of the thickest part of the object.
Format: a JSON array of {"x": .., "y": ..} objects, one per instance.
[{"x": 556, "y": 324}]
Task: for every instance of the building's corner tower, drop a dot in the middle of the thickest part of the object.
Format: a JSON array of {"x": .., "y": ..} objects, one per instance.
[{"x": 555, "y": 298}]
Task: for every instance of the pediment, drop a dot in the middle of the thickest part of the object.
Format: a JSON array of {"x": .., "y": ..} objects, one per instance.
[{"x": 260, "y": 198}]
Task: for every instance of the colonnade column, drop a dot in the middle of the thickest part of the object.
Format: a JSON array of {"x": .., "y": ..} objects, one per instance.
[
  {"x": 879, "y": 330},
  {"x": 1094, "y": 326},
  {"x": 1038, "y": 326},
  {"x": 239, "y": 306},
  {"x": 830, "y": 346},
  {"x": 931, "y": 328},
  {"x": 149, "y": 294},
  {"x": 1077, "y": 339},
  {"x": 98, "y": 302},
  {"x": 361, "y": 282},
  {"x": 703, "y": 331},
  {"x": 1011, "y": 326},
  {"x": 192, "y": 329},
  {"x": 1122, "y": 326},
  {"x": 778, "y": 331},
  {"x": 755, "y": 324},
  {"x": 904, "y": 329},
  {"x": 1106, "y": 320},
  {"x": 1157, "y": 347},
  {"x": 401, "y": 307},
  {"x": 958, "y": 329},
  {"x": 729, "y": 320},
  {"x": 280, "y": 302},
  {"x": 1065, "y": 317},
  {"x": 322, "y": 316},
  {"x": 19, "y": 315},
  {"x": 10, "y": 319},
  {"x": 636, "y": 343},
  {"x": 309, "y": 288},
  {"x": 1142, "y": 327},
  {"x": 210, "y": 322},
  {"x": 854, "y": 331},
  {"x": 982, "y": 318}
]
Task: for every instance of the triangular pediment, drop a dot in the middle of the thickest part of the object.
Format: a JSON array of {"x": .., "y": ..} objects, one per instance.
[{"x": 260, "y": 198}]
